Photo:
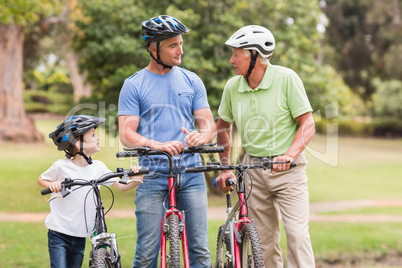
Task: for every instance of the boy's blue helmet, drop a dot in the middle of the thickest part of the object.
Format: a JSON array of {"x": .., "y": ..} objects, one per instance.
[{"x": 64, "y": 137}]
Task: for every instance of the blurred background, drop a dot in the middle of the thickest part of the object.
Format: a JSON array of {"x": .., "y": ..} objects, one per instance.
[{"x": 65, "y": 57}]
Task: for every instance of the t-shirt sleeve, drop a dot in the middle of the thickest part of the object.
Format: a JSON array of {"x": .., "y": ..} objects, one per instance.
[
  {"x": 128, "y": 100},
  {"x": 225, "y": 107},
  {"x": 52, "y": 174},
  {"x": 298, "y": 102},
  {"x": 200, "y": 100},
  {"x": 103, "y": 169}
]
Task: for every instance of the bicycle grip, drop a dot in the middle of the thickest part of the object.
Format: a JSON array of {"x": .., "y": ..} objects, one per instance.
[
  {"x": 46, "y": 191},
  {"x": 126, "y": 154},
  {"x": 228, "y": 183},
  {"x": 140, "y": 172},
  {"x": 197, "y": 169},
  {"x": 213, "y": 150}
]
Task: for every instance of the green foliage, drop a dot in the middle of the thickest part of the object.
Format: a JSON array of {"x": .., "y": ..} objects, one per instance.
[
  {"x": 24, "y": 12},
  {"x": 365, "y": 36},
  {"x": 109, "y": 36},
  {"x": 52, "y": 101},
  {"x": 388, "y": 98}
]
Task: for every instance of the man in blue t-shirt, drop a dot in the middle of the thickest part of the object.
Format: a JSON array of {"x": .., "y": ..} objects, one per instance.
[{"x": 157, "y": 108}]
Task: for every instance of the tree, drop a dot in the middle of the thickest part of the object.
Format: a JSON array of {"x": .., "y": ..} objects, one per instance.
[
  {"x": 61, "y": 28},
  {"x": 15, "y": 125},
  {"x": 109, "y": 36},
  {"x": 365, "y": 37}
]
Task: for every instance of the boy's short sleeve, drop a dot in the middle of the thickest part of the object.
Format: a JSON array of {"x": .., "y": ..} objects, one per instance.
[{"x": 51, "y": 174}]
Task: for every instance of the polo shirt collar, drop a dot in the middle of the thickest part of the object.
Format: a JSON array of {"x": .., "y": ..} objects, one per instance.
[{"x": 265, "y": 83}]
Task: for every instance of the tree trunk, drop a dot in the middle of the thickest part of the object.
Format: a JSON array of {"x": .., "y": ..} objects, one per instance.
[
  {"x": 15, "y": 125},
  {"x": 81, "y": 89}
]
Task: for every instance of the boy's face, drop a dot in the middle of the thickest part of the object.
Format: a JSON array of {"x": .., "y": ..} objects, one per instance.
[{"x": 91, "y": 142}]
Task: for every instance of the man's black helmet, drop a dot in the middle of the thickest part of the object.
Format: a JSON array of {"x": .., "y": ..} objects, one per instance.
[
  {"x": 65, "y": 134},
  {"x": 160, "y": 28}
]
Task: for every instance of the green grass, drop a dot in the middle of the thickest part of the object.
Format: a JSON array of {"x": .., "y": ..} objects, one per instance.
[
  {"x": 395, "y": 211},
  {"x": 366, "y": 169},
  {"x": 25, "y": 244}
]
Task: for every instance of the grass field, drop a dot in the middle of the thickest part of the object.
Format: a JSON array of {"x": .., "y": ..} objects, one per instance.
[{"x": 343, "y": 169}]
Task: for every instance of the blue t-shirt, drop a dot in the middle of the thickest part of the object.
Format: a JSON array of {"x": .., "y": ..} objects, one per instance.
[{"x": 164, "y": 104}]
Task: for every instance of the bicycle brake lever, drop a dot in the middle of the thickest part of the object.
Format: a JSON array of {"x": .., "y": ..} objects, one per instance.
[
  {"x": 64, "y": 192},
  {"x": 126, "y": 178}
]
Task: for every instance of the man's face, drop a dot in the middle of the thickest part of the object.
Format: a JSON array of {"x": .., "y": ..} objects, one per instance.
[
  {"x": 170, "y": 51},
  {"x": 239, "y": 61}
]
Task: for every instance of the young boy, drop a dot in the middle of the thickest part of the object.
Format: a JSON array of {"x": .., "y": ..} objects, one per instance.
[{"x": 67, "y": 223}]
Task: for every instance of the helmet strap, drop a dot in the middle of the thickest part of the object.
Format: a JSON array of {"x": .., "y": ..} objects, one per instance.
[
  {"x": 158, "y": 61},
  {"x": 88, "y": 159},
  {"x": 252, "y": 63}
]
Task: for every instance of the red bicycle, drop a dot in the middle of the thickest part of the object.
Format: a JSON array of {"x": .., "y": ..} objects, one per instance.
[
  {"x": 173, "y": 227},
  {"x": 238, "y": 243}
]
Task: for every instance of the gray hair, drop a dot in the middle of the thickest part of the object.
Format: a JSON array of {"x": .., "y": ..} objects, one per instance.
[{"x": 263, "y": 61}]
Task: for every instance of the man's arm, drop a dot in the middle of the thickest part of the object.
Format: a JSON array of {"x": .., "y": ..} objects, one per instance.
[
  {"x": 224, "y": 139},
  {"x": 303, "y": 136},
  {"x": 207, "y": 126},
  {"x": 128, "y": 125}
]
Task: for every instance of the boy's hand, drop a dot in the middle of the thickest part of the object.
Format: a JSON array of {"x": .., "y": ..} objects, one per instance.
[
  {"x": 136, "y": 169},
  {"x": 55, "y": 186}
]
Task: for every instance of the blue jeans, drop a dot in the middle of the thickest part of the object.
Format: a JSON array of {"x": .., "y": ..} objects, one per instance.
[
  {"x": 65, "y": 251},
  {"x": 192, "y": 199}
]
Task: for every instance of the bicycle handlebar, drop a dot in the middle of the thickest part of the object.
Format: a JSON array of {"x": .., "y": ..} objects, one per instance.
[
  {"x": 215, "y": 166},
  {"x": 145, "y": 151},
  {"x": 68, "y": 183}
]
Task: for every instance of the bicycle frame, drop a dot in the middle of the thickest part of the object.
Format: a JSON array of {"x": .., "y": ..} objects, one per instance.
[
  {"x": 172, "y": 209},
  {"x": 100, "y": 238},
  {"x": 240, "y": 231},
  {"x": 239, "y": 209}
]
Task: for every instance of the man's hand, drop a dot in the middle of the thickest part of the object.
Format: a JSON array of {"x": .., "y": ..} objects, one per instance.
[
  {"x": 281, "y": 167},
  {"x": 221, "y": 181},
  {"x": 193, "y": 138},
  {"x": 171, "y": 147}
]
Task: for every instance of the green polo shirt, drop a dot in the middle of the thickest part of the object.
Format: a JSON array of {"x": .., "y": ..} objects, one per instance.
[{"x": 265, "y": 116}]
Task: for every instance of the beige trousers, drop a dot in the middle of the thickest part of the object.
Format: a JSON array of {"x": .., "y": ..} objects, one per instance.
[{"x": 283, "y": 195}]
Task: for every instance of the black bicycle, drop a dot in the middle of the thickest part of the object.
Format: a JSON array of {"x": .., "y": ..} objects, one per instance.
[{"x": 104, "y": 251}]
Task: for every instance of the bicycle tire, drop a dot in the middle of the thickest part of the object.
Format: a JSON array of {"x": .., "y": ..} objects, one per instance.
[
  {"x": 174, "y": 241},
  {"x": 101, "y": 259},
  {"x": 224, "y": 258},
  {"x": 251, "y": 253}
]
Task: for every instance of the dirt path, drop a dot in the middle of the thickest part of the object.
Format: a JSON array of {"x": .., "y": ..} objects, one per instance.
[{"x": 219, "y": 213}]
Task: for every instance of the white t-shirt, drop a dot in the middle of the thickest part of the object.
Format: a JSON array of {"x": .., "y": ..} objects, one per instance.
[{"x": 67, "y": 214}]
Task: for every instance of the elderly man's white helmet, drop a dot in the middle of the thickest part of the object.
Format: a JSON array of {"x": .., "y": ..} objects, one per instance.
[{"x": 253, "y": 37}]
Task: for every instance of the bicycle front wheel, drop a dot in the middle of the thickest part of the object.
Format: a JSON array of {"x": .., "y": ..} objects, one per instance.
[
  {"x": 101, "y": 259},
  {"x": 224, "y": 258},
  {"x": 251, "y": 253},
  {"x": 174, "y": 241}
]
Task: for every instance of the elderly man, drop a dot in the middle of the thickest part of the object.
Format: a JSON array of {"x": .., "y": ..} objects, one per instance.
[{"x": 270, "y": 108}]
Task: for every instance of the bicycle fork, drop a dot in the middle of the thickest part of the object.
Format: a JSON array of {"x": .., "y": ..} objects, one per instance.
[{"x": 165, "y": 228}]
